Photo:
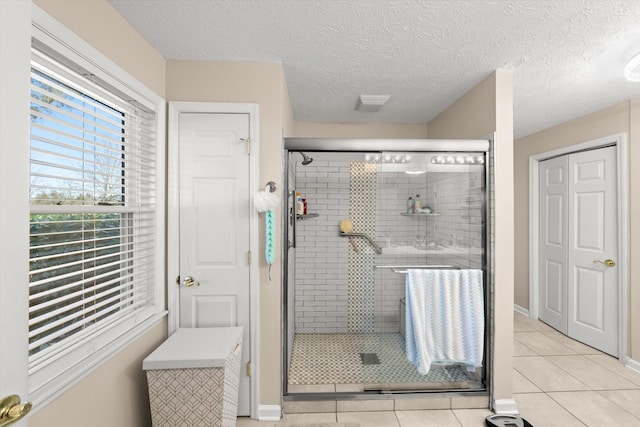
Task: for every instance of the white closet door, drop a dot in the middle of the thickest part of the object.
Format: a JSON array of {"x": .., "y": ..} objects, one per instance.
[
  {"x": 578, "y": 241},
  {"x": 553, "y": 242},
  {"x": 593, "y": 224}
]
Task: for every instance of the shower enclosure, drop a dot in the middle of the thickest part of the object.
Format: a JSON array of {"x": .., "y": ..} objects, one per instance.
[{"x": 359, "y": 214}]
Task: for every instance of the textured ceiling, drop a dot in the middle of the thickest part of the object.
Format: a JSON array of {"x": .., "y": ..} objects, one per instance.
[{"x": 567, "y": 56}]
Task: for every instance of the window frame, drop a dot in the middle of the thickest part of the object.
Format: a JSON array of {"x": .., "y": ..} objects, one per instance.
[{"x": 58, "y": 42}]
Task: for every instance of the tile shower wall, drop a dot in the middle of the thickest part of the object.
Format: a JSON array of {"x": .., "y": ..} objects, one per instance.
[
  {"x": 453, "y": 237},
  {"x": 322, "y": 256}
]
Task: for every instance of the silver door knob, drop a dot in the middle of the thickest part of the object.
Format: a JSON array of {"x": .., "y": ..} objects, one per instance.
[
  {"x": 606, "y": 262},
  {"x": 189, "y": 281}
]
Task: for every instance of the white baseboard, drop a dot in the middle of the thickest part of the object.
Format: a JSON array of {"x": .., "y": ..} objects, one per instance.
[
  {"x": 521, "y": 310},
  {"x": 269, "y": 412},
  {"x": 505, "y": 406},
  {"x": 632, "y": 364}
]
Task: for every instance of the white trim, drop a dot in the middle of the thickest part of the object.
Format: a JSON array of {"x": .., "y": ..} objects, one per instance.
[
  {"x": 173, "y": 260},
  {"x": 534, "y": 232},
  {"x": 622, "y": 150},
  {"x": 15, "y": 55},
  {"x": 632, "y": 364},
  {"x": 521, "y": 310},
  {"x": 505, "y": 406},
  {"x": 269, "y": 413}
]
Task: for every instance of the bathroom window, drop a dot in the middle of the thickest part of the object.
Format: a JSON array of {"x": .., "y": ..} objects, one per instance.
[{"x": 95, "y": 239}]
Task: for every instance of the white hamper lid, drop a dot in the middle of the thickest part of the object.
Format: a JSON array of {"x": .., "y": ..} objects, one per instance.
[{"x": 195, "y": 348}]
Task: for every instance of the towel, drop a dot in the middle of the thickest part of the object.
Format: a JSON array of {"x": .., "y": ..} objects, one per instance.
[{"x": 444, "y": 318}]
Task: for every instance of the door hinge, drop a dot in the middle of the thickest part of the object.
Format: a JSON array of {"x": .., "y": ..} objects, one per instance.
[
  {"x": 248, "y": 142},
  {"x": 249, "y": 369},
  {"x": 249, "y": 258}
]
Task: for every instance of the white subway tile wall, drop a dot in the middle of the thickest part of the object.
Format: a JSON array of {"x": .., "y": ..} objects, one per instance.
[
  {"x": 322, "y": 256},
  {"x": 451, "y": 236}
]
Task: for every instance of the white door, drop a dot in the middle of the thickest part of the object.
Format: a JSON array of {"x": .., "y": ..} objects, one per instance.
[
  {"x": 553, "y": 242},
  {"x": 593, "y": 225},
  {"x": 214, "y": 170},
  {"x": 578, "y": 242}
]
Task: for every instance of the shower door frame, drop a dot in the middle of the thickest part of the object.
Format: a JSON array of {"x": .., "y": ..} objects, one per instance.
[{"x": 294, "y": 144}]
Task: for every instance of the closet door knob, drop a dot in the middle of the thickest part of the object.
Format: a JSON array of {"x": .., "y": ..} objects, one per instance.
[
  {"x": 606, "y": 262},
  {"x": 189, "y": 281}
]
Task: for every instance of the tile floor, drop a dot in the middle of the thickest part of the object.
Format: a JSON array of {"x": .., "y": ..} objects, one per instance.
[{"x": 556, "y": 382}]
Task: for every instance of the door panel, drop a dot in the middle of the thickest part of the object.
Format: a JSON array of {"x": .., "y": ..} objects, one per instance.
[
  {"x": 593, "y": 287},
  {"x": 588, "y": 217},
  {"x": 554, "y": 297},
  {"x": 214, "y": 310},
  {"x": 214, "y": 170},
  {"x": 553, "y": 243},
  {"x": 589, "y": 308}
]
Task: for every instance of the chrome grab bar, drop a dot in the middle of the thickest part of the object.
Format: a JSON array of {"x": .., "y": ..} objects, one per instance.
[
  {"x": 402, "y": 269},
  {"x": 377, "y": 248}
]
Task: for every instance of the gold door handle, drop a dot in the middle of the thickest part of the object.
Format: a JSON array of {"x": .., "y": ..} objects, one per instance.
[
  {"x": 606, "y": 262},
  {"x": 188, "y": 281},
  {"x": 11, "y": 410}
]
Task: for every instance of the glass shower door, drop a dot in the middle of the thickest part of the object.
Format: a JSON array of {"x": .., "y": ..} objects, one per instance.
[
  {"x": 345, "y": 298},
  {"x": 429, "y": 215}
]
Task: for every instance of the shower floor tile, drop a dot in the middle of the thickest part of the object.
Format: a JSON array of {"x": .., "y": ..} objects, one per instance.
[{"x": 337, "y": 359}]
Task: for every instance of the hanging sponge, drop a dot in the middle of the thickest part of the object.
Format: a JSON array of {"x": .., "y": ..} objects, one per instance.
[{"x": 346, "y": 226}]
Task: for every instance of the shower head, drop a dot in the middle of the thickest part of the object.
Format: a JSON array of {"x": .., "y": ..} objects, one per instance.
[{"x": 305, "y": 159}]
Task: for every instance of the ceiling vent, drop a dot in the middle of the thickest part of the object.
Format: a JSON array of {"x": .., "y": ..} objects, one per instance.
[{"x": 371, "y": 103}]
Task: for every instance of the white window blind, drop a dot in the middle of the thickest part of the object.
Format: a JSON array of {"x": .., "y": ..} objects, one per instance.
[{"x": 93, "y": 211}]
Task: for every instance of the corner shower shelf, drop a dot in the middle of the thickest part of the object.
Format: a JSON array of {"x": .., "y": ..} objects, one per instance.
[
  {"x": 306, "y": 216},
  {"x": 420, "y": 214}
]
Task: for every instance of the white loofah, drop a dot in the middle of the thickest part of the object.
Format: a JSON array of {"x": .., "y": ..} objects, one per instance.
[{"x": 266, "y": 201}]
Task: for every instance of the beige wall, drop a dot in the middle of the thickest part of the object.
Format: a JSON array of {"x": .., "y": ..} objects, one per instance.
[
  {"x": 288, "y": 118},
  {"x": 621, "y": 118},
  {"x": 98, "y": 23},
  {"x": 634, "y": 231},
  {"x": 114, "y": 394},
  {"x": 472, "y": 116},
  {"x": 486, "y": 108}
]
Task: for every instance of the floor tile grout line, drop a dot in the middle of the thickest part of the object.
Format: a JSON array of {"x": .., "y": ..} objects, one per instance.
[
  {"x": 591, "y": 387},
  {"x": 555, "y": 341},
  {"x": 611, "y": 370},
  {"x": 615, "y": 403},
  {"x": 575, "y": 415}
]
